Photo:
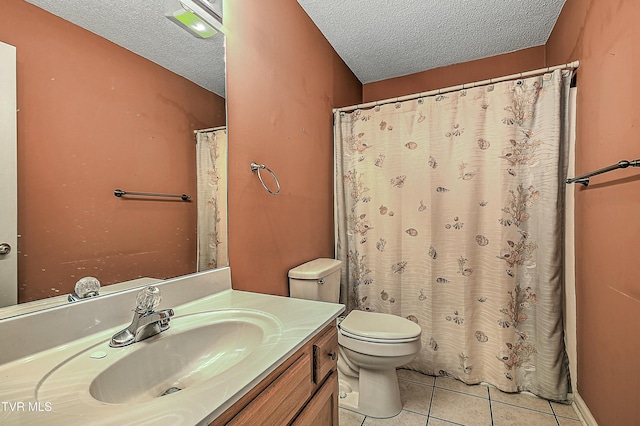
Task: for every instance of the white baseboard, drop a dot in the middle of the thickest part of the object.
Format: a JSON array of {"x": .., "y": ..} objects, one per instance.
[{"x": 583, "y": 411}]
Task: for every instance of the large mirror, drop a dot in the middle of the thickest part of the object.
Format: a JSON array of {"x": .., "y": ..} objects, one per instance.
[{"x": 111, "y": 96}]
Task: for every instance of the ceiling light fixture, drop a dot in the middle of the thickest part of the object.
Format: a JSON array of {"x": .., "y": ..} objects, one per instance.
[{"x": 202, "y": 18}]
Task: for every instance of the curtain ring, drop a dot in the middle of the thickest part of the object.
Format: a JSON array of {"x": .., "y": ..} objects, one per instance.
[{"x": 257, "y": 167}]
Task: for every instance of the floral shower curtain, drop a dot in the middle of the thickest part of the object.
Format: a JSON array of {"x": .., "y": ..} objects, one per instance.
[
  {"x": 211, "y": 158},
  {"x": 450, "y": 213}
]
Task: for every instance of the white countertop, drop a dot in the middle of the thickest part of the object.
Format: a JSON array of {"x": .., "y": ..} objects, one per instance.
[{"x": 299, "y": 319}]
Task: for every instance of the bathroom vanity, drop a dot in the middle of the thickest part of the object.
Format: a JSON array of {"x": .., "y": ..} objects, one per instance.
[
  {"x": 229, "y": 357},
  {"x": 303, "y": 390}
]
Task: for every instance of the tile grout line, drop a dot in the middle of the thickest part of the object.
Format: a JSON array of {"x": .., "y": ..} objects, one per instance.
[
  {"x": 567, "y": 417},
  {"x": 552, "y": 413},
  {"x": 555, "y": 416},
  {"x": 490, "y": 405},
  {"x": 462, "y": 392},
  {"x": 447, "y": 421},
  {"x": 414, "y": 412},
  {"x": 433, "y": 391}
]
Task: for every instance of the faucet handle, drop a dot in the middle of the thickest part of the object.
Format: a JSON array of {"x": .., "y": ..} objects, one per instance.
[
  {"x": 148, "y": 299},
  {"x": 87, "y": 287}
]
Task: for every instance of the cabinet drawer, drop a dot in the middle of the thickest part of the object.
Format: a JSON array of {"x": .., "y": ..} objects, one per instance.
[
  {"x": 325, "y": 355},
  {"x": 281, "y": 400}
]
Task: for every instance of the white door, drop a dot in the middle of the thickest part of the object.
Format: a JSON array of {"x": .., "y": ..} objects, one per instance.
[{"x": 8, "y": 178}]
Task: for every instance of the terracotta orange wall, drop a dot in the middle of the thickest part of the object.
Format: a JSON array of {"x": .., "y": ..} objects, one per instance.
[
  {"x": 604, "y": 35},
  {"x": 453, "y": 75},
  {"x": 94, "y": 117},
  {"x": 283, "y": 80}
]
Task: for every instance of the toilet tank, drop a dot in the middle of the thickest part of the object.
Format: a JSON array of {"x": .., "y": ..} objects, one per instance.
[{"x": 318, "y": 279}]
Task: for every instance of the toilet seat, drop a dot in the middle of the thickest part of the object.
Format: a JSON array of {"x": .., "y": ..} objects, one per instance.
[
  {"x": 375, "y": 340},
  {"x": 379, "y": 328}
]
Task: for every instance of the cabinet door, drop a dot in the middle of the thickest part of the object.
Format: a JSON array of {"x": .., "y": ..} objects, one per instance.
[
  {"x": 322, "y": 409},
  {"x": 282, "y": 399}
]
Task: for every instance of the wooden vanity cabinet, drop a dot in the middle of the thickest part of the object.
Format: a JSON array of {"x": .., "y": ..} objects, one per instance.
[{"x": 301, "y": 391}]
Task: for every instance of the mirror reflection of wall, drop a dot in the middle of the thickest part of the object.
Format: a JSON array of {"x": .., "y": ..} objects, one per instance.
[{"x": 93, "y": 117}]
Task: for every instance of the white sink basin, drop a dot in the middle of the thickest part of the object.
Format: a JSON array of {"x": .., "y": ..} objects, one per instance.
[{"x": 198, "y": 348}]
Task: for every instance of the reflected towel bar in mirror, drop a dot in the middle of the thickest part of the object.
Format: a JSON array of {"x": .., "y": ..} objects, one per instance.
[
  {"x": 120, "y": 193},
  {"x": 623, "y": 164}
]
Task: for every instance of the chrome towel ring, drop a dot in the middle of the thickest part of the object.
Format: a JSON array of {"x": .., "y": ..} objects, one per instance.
[{"x": 257, "y": 167}]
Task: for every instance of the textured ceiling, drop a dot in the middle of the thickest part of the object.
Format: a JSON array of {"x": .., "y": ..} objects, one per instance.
[
  {"x": 380, "y": 39},
  {"x": 141, "y": 27},
  {"x": 377, "y": 39}
]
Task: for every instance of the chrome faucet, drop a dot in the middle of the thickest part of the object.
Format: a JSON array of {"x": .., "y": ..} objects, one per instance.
[{"x": 146, "y": 321}]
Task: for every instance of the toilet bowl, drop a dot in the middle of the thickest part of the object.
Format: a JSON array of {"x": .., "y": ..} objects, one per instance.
[{"x": 371, "y": 344}]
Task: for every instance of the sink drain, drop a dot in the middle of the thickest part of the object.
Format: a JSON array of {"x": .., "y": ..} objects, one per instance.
[{"x": 172, "y": 389}]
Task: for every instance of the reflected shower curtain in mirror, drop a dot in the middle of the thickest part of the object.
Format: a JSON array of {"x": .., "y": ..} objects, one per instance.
[
  {"x": 211, "y": 154},
  {"x": 450, "y": 213}
]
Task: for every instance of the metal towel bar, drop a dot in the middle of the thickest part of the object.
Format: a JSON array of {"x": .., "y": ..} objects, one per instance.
[
  {"x": 120, "y": 193},
  {"x": 623, "y": 164}
]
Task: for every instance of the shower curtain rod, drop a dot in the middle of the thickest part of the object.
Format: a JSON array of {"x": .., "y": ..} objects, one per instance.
[
  {"x": 210, "y": 129},
  {"x": 570, "y": 65}
]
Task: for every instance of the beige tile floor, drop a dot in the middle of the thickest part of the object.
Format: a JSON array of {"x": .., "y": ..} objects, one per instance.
[{"x": 441, "y": 401}]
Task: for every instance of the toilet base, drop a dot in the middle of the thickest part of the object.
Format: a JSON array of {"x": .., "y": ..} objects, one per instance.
[
  {"x": 378, "y": 394},
  {"x": 347, "y": 396}
]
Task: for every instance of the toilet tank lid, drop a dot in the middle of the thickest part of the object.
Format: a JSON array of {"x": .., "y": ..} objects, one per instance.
[{"x": 315, "y": 269}]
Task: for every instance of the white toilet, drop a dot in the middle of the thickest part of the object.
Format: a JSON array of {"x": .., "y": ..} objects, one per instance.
[{"x": 372, "y": 345}]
